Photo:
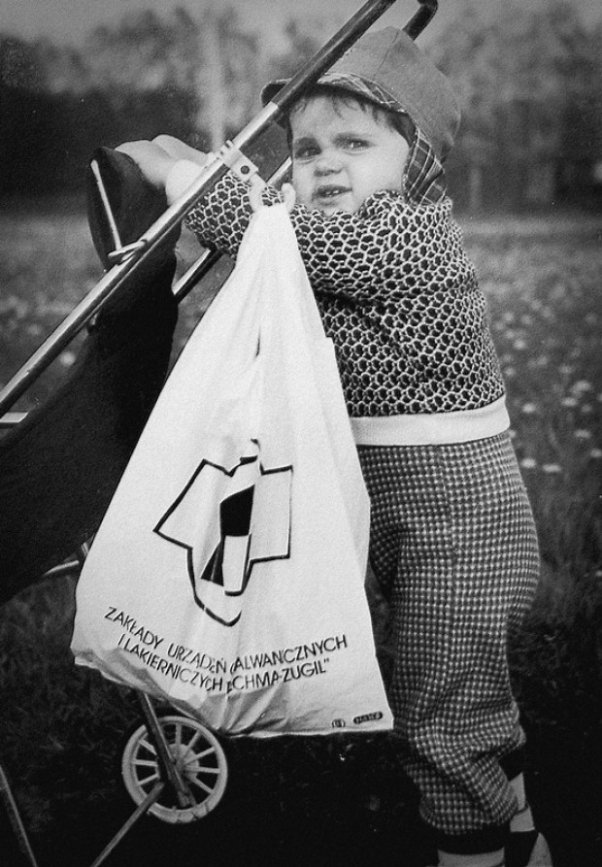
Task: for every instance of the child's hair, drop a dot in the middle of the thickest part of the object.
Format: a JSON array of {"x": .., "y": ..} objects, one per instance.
[{"x": 395, "y": 120}]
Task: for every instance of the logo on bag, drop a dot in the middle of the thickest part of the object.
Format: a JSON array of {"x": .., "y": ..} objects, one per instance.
[
  {"x": 368, "y": 717},
  {"x": 229, "y": 520}
]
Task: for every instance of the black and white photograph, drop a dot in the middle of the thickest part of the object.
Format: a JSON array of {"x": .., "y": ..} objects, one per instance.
[{"x": 300, "y": 433}]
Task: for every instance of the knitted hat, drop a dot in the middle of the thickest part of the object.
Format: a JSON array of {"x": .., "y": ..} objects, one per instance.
[{"x": 386, "y": 67}]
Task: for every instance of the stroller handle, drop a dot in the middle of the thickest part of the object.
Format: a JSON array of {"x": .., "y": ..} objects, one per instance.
[{"x": 216, "y": 168}]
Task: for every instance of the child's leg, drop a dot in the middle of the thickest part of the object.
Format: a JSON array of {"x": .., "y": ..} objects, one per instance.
[
  {"x": 457, "y": 522},
  {"x": 522, "y": 821},
  {"x": 525, "y": 847}
]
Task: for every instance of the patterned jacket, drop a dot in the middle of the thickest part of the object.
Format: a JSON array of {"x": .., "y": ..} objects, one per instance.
[{"x": 396, "y": 292}]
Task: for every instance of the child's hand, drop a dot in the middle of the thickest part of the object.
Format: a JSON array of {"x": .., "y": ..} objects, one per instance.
[
  {"x": 156, "y": 158},
  {"x": 179, "y": 150}
]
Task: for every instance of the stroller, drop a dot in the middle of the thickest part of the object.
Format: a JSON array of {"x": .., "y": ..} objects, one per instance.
[{"x": 173, "y": 767}]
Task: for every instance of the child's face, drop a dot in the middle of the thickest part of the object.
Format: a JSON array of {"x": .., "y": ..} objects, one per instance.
[{"x": 343, "y": 154}]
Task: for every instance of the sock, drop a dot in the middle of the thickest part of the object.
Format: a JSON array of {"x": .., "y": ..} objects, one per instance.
[
  {"x": 483, "y": 859},
  {"x": 523, "y": 834},
  {"x": 522, "y": 821}
]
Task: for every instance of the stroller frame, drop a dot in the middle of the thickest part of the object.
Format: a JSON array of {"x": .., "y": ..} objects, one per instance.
[{"x": 172, "y": 775}]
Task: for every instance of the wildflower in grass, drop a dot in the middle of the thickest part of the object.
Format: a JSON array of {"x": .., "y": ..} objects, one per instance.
[
  {"x": 596, "y": 454},
  {"x": 587, "y": 409},
  {"x": 529, "y": 408},
  {"x": 582, "y": 385},
  {"x": 582, "y": 434},
  {"x": 67, "y": 358},
  {"x": 520, "y": 344},
  {"x": 528, "y": 464},
  {"x": 551, "y": 469},
  {"x": 569, "y": 402},
  {"x": 509, "y": 372},
  {"x": 566, "y": 369}
]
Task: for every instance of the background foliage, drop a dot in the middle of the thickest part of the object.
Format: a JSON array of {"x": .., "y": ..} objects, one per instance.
[{"x": 529, "y": 79}]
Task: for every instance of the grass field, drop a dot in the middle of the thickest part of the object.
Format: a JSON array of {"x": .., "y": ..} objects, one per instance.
[{"x": 61, "y": 729}]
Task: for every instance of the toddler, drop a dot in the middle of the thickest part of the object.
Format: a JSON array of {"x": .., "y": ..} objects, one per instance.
[{"x": 453, "y": 543}]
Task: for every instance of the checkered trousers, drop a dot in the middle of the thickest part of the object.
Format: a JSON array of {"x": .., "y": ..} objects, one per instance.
[{"x": 453, "y": 545}]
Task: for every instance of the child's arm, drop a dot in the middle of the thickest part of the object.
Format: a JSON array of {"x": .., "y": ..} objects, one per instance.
[{"x": 383, "y": 251}]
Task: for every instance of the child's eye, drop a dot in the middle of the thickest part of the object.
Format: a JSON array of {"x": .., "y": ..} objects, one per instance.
[
  {"x": 354, "y": 144},
  {"x": 305, "y": 151}
]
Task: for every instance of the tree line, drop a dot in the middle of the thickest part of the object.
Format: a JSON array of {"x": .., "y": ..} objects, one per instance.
[{"x": 528, "y": 77}]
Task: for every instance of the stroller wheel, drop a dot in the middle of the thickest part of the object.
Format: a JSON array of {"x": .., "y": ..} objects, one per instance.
[{"x": 199, "y": 761}]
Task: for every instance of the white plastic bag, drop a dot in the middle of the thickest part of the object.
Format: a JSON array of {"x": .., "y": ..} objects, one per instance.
[{"x": 228, "y": 573}]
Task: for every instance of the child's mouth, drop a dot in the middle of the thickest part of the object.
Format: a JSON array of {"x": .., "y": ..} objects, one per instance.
[{"x": 327, "y": 195}]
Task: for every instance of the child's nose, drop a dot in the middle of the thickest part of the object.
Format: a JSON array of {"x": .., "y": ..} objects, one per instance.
[{"x": 328, "y": 163}]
